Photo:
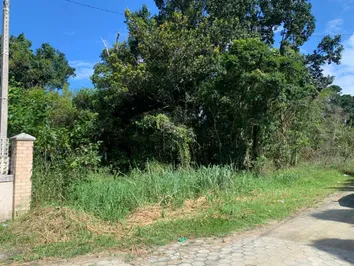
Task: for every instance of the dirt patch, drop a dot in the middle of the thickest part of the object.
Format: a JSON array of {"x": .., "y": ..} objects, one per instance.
[{"x": 151, "y": 214}]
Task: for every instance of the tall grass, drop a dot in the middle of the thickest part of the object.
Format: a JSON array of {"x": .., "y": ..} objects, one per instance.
[
  {"x": 232, "y": 201},
  {"x": 51, "y": 179},
  {"x": 112, "y": 198}
]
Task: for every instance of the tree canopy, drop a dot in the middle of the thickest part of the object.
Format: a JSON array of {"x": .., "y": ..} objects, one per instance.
[
  {"x": 200, "y": 82},
  {"x": 203, "y": 80},
  {"x": 293, "y": 17},
  {"x": 45, "y": 67}
]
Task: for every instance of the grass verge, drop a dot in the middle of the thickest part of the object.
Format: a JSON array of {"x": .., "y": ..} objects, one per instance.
[{"x": 159, "y": 206}]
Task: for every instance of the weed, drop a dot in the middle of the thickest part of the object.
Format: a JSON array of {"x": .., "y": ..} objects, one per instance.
[{"x": 155, "y": 208}]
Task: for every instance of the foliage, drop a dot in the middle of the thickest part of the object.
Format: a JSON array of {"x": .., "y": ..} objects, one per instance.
[
  {"x": 155, "y": 77},
  {"x": 208, "y": 67},
  {"x": 195, "y": 94},
  {"x": 199, "y": 83},
  {"x": 46, "y": 67},
  {"x": 64, "y": 146},
  {"x": 329, "y": 51},
  {"x": 335, "y": 135},
  {"x": 174, "y": 138},
  {"x": 265, "y": 85},
  {"x": 262, "y": 16}
]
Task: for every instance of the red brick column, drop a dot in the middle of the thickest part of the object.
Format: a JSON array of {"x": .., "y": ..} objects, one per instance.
[{"x": 21, "y": 167}]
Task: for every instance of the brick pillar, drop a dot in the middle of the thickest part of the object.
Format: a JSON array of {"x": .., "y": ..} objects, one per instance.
[{"x": 21, "y": 167}]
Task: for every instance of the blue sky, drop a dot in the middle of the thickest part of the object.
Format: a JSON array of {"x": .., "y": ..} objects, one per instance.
[{"x": 77, "y": 31}]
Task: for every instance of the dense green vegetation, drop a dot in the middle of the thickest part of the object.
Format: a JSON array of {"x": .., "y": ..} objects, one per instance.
[
  {"x": 45, "y": 67},
  {"x": 221, "y": 201},
  {"x": 201, "y": 101},
  {"x": 195, "y": 84},
  {"x": 199, "y": 83}
]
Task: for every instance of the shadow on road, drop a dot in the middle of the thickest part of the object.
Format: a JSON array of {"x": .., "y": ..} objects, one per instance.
[
  {"x": 343, "y": 216},
  {"x": 339, "y": 215},
  {"x": 347, "y": 201},
  {"x": 342, "y": 249}
]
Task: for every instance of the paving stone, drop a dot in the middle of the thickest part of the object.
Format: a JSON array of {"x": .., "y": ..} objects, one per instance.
[
  {"x": 200, "y": 259},
  {"x": 198, "y": 263},
  {"x": 160, "y": 263},
  {"x": 211, "y": 262},
  {"x": 174, "y": 262},
  {"x": 203, "y": 251}
]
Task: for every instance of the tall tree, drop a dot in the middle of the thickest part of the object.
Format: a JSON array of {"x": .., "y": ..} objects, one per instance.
[
  {"x": 201, "y": 79},
  {"x": 156, "y": 72},
  {"x": 329, "y": 51},
  {"x": 293, "y": 17},
  {"x": 46, "y": 67}
]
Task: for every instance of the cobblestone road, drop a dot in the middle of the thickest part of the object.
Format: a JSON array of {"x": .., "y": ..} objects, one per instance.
[{"x": 324, "y": 236}]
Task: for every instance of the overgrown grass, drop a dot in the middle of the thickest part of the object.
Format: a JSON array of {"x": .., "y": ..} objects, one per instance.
[
  {"x": 113, "y": 198},
  {"x": 232, "y": 201},
  {"x": 249, "y": 202}
]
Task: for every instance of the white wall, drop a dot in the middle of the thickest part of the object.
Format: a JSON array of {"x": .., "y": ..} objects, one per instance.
[{"x": 6, "y": 199}]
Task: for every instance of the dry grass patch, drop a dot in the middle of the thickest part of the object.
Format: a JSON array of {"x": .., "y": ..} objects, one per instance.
[
  {"x": 148, "y": 215},
  {"x": 59, "y": 224}
]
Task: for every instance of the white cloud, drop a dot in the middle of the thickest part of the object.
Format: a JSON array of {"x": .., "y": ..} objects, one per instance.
[
  {"x": 347, "y": 4},
  {"x": 278, "y": 29},
  {"x": 334, "y": 26},
  {"x": 344, "y": 73},
  {"x": 84, "y": 69}
]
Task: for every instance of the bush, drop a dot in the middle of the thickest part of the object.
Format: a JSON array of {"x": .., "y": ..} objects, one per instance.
[{"x": 65, "y": 149}]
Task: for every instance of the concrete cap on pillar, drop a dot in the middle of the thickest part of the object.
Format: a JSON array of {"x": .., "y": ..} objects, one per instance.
[{"x": 23, "y": 137}]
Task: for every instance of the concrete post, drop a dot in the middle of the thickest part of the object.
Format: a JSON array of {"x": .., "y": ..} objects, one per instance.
[
  {"x": 4, "y": 70},
  {"x": 21, "y": 165}
]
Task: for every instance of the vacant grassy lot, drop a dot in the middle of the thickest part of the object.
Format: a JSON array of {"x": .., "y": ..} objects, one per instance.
[{"x": 161, "y": 205}]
